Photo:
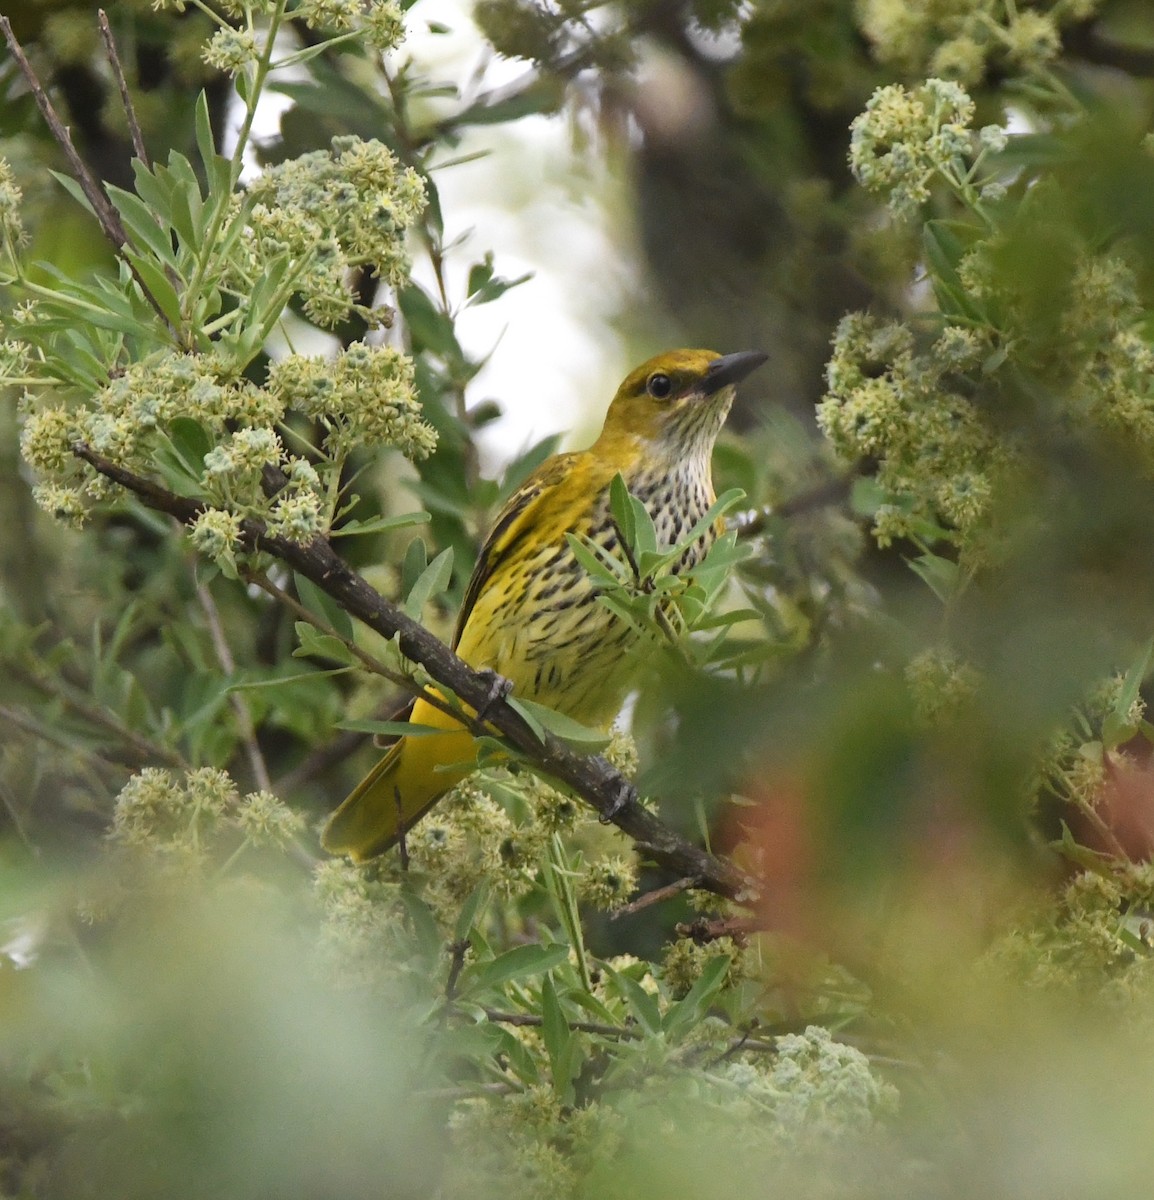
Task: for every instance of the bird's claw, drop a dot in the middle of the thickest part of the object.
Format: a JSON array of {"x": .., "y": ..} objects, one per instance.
[
  {"x": 626, "y": 795},
  {"x": 499, "y": 688}
]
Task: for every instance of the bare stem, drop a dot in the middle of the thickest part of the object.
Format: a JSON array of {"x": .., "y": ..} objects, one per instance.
[
  {"x": 240, "y": 705},
  {"x": 656, "y": 896},
  {"x": 138, "y": 145},
  {"x": 106, "y": 215}
]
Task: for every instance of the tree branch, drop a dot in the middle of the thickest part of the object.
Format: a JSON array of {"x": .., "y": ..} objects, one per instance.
[
  {"x": 595, "y": 780},
  {"x": 106, "y": 215},
  {"x": 754, "y": 520},
  {"x": 138, "y": 145}
]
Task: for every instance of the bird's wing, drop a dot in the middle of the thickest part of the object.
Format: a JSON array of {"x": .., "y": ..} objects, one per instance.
[{"x": 513, "y": 522}]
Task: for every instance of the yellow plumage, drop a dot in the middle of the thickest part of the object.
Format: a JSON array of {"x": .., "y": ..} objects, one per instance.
[{"x": 530, "y": 612}]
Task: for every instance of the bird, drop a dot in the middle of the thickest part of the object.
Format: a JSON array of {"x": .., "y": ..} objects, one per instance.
[{"x": 530, "y": 614}]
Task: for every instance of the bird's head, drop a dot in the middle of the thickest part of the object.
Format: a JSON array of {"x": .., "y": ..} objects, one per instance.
[{"x": 678, "y": 400}]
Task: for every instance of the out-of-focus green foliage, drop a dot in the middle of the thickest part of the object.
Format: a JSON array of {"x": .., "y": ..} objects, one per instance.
[{"x": 924, "y": 731}]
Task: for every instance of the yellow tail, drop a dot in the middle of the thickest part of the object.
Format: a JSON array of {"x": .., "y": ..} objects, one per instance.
[{"x": 402, "y": 787}]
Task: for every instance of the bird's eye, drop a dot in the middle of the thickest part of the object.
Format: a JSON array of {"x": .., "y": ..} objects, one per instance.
[{"x": 659, "y": 386}]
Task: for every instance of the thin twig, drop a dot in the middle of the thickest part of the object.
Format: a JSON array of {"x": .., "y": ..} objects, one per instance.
[
  {"x": 591, "y": 777},
  {"x": 319, "y": 761},
  {"x": 138, "y": 145},
  {"x": 144, "y": 749},
  {"x": 17, "y": 719},
  {"x": 8, "y": 800},
  {"x": 656, "y": 896},
  {"x": 1109, "y": 838},
  {"x": 754, "y": 520},
  {"x": 458, "y": 950},
  {"x": 362, "y": 656},
  {"x": 240, "y": 705},
  {"x": 339, "y": 748},
  {"x": 529, "y": 1021},
  {"x": 467, "y": 1093},
  {"x": 106, "y": 215}
]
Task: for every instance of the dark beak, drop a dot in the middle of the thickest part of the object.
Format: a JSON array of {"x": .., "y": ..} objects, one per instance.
[{"x": 732, "y": 368}]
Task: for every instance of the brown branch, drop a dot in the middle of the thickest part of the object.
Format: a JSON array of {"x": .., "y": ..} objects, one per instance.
[
  {"x": 144, "y": 749},
  {"x": 591, "y": 777},
  {"x": 106, "y": 215},
  {"x": 530, "y": 1021},
  {"x": 656, "y": 896},
  {"x": 240, "y": 706},
  {"x": 125, "y": 96},
  {"x": 702, "y": 930},
  {"x": 17, "y": 719},
  {"x": 753, "y": 521}
]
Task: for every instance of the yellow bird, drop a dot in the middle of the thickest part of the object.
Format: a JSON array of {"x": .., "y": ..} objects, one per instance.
[{"x": 530, "y": 612}]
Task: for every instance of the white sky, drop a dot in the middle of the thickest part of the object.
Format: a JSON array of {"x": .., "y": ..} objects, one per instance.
[{"x": 541, "y": 206}]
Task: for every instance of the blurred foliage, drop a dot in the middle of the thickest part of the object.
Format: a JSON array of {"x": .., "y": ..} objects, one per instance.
[{"x": 924, "y": 732}]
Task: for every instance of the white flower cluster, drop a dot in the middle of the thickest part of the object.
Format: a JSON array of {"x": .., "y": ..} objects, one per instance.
[
  {"x": 365, "y": 396},
  {"x": 965, "y": 39},
  {"x": 935, "y": 454},
  {"x": 333, "y": 211},
  {"x": 906, "y": 137}
]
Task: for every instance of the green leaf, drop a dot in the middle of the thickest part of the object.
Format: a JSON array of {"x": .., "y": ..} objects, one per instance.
[
  {"x": 646, "y": 535},
  {"x": 323, "y": 605},
  {"x": 599, "y": 564},
  {"x": 561, "y": 1044},
  {"x": 416, "y": 560},
  {"x": 280, "y": 681},
  {"x": 724, "y": 554},
  {"x": 356, "y": 528},
  {"x": 433, "y": 580},
  {"x": 642, "y": 1005},
  {"x": 429, "y": 326},
  {"x": 692, "y": 1007},
  {"x": 554, "y": 1028},
  {"x": 191, "y": 441},
  {"x": 624, "y": 514},
  {"x": 186, "y": 207},
  {"x": 496, "y": 287},
  {"x": 423, "y": 925},
  {"x": 147, "y": 229},
  {"x": 388, "y": 728},
  {"x": 867, "y": 496},
  {"x": 522, "y": 962},
  {"x": 941, "y": 575},
  {"x": 1082, "y": 856},
  {"x": 480, "y": 274},
  {"x": 159, "y": 286},
  {"x": 205, "y": 142},
  {"x": 475, "y": 903},
  {"x": 943, "y": 250},
  {"x": 537, "y": 728},
  {"x": 542, "y": 96},
  {"x": 571, "y": 732},
  {"x": 1118, "y": 727},
  {"x": 320, "y": 645},
  {"x": 521, "y": 1061},
  {"x": 72, "y": 188},
  {"x": 724, "y": 503},
  {"x": 182, "y": 452},
  {"x": 594, "y": 1007}
]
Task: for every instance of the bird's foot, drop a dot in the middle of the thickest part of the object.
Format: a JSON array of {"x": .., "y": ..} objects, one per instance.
[
  {"x": 499, "y": 687},
  {"x": 626, "y": 795}
]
